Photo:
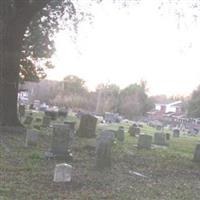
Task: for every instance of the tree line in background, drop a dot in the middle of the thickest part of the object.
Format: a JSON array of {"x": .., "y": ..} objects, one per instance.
[{"x": 130, "y": 102}]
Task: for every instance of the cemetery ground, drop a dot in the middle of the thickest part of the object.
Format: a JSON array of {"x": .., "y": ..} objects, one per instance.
[{"x": 166, "y": 173}]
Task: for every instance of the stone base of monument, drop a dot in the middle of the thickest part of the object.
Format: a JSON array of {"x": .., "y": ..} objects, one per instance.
[
  {"x": 68, "y": 157},
  {"x": 62, "y": 173}
]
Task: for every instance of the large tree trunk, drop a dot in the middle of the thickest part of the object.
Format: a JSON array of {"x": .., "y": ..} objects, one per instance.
[
  {"x": 12, "y": 40},
  {"x": 14, "y": 19}
]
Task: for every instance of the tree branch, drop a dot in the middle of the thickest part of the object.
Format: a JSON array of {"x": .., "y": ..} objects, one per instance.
[{"x": 27, "y": 9}]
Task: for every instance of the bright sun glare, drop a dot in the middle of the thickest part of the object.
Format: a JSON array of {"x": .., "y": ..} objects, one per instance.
[{"x": 123, "y": 46}]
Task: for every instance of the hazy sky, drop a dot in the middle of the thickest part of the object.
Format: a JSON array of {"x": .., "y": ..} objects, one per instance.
[{"x": 123, "y": 46}]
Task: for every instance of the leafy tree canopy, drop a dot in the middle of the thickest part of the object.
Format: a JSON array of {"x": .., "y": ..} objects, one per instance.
[
  {"x": 74, "y": 85},
  {"x": 194, "y": 104}
]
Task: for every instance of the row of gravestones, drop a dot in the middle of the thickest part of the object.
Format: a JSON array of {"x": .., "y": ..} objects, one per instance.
[
  {"x": 145, "y": 141},
  {"x": 63, "y": 136},
  {"x": 134, "y": 130},
  {"x": 46, "y": 120},
  {"x": 62, "y": 140},
  {"x": 49, "y": 115}
]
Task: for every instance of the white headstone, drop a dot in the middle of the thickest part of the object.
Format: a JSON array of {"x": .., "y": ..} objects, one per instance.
[{"x": 62, "y": 173}]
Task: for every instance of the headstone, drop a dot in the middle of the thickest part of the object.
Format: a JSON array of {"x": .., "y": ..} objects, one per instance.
[
  {"x": 62, "y": 113},
  {"x": 61, "y": 141},
  {"x": 71, "y": 124},
  {"x": 21, "y": 110},
  {"x": 31, "y": 107},
  {"x": 134, "y": 130},
  {"x": 87, "y": 126},
  {"x": 103, "y": 150},
  {"x": 140, "y": 125},
  {"x": 62, "y": 173},
  {"x": 158, "y": 127},
  {"x": 167, "y": 136},
  {"x": 38, "y": 119},
  {"x": 52, "y": 114},
  {"x": 46, "y": 121},
  {"x": 28, "y": 120},
  {"x": 31, "y": 138},
  {"x": 120, "y": 134},
  {"x": 160, "y": 139},
  {"x": 176, "y": 132},
  {"x": 144, "y": 141},
  {"x": 108, "y": 134},
  {"x": 196, "y": 157},
  {"x": 36, "y": 127}
]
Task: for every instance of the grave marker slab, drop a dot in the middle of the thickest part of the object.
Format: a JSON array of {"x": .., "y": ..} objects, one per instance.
[
  {"x": 31, "y": 138},
  {"x": 62, "y": 173},
  {"x": 61, "y": 140},
  {"x": 134, "y": 130},
  {"x": 46, "y": 121},
  {"x": 196, "y": 157},
  {"x": 38, "y": 119},
  {"x": 144, "y": 141},
  {"x": 120, "y": 134},
  {"x": 21, "y": 110},
  {"x": 167, "y": 136},
  {"x": 176, "y": 132},
  {"x": 70, "y": 124},
  {"x": 87, "y": 126},
  {"x": 28, "y": 120},
  {"x": 160, "y": 139},
  {"x": 103, "y": 150}
]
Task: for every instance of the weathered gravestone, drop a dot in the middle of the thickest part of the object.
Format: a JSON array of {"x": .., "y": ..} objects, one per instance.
[
  {"x": 158, "y": 127},
  {"x": 61, "y": 141},
  {"x": 46, "y": 121},
  {"x": 31, "y": 138},
  {"x": 134, "y": 130},
  {"x": 37, "y": 119},
  {"x": 160, "y": 139},
  {"x": 120, "y": 134},
  {"x": 71, "y": 124},
  {"x": 62, "y": 113},
  {"x": 108, "y": 134},
  {"x": 37, "y": 127},
  {"x": 28, "y": 120},
  {"x": 62, "y": 173},
  {"x": 144, "y": 141},
  {"x": 167, "y": 136},
  {"x": 52, "y": 114},
  {"x": 21, "y": 110},
  {"x": 196, "y": 157},
  {"x": 87, "y": 127},
  {"x": 176, "y": 132},
  {"x": 103, "y": 149}
]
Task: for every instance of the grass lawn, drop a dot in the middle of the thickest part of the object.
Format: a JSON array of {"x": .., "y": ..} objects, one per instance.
[{"x": 169, "y": 172}]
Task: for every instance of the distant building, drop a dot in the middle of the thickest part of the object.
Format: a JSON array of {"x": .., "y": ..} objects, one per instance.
[
  {"x": 167, "y": 110},
  {"x": 169, "y": 107}
]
